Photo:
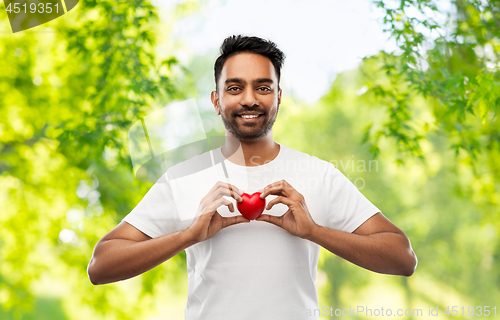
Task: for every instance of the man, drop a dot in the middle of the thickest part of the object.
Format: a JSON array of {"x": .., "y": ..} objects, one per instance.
[{"x": 241, "y": 269}]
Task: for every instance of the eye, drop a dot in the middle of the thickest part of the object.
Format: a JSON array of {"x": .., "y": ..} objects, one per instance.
[
  {"x": 266, "y": 89},
  {"x": 231, "y": 89}
]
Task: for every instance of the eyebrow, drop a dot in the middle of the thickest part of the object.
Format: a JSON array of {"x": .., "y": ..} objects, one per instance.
[{"x": 239, "y": 80}]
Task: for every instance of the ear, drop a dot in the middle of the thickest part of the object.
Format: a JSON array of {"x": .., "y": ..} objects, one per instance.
[
  {"x": 215, "y": 101},
  {"x": 279, "y": 96}
]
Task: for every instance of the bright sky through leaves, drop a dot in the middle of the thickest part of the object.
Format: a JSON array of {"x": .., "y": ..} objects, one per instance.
[{"x": 320, "y": 38}]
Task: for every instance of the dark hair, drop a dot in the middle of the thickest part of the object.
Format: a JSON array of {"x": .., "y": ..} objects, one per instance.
[{"x": 236, "y": 44}]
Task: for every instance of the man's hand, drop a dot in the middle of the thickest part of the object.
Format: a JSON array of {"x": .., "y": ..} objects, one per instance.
[
  {"x": 376, "y": 245},
  {"x": 208, "y": 221},
  {"x": 297, "y": 220}
]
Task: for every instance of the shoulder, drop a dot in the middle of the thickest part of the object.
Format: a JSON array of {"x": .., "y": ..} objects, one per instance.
[{"x": 196, "y": 164}]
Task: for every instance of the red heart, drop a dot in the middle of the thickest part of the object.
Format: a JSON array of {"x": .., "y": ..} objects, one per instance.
[{"x": 252, "y": 206}]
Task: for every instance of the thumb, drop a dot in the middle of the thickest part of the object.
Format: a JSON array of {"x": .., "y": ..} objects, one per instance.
[
  {"x": 271, "y": 219},
  {"x": 228, "y": 221}
]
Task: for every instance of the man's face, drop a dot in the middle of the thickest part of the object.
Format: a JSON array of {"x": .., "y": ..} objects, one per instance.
[{"x": 248, "y": 85}]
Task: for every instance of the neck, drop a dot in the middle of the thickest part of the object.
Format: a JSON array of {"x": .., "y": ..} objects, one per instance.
[{"x": 250, "y": 153}]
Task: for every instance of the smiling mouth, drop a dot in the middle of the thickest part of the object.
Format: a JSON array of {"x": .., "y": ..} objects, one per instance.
[
  {"x": 249, "y": 116},
  {"x": 249, "y": 120}
]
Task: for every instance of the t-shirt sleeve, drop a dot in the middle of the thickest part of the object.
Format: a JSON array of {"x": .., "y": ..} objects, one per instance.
[
  {"x": 156, "y": 214},
  {"x": 348, "y": 208}
]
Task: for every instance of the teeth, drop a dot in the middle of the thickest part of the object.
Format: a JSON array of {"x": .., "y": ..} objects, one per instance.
[{"x": 249, "y": 116}]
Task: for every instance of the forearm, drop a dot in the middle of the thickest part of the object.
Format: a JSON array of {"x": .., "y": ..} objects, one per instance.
[
  {"x": 384, "y": 252},
  {"x": 120, "y": 259}
]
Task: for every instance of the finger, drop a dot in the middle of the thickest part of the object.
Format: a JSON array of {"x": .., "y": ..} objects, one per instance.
[
  {"x": 228, "y": 221},
  {"x": 225, "y": 191},
  {"x": 269, "y": 186},
  {"x": 271, "y": 219},
  {"x": 219, "y": 202},
  {"x": 279, "y": 199},
  {"x": 228, "y": 203},
  {"x": 234, "y": 191},
  {"x": 228, "y": 186},
  {"x": 216, "y": 186},
  {"x": 210, "y": 192},
  {"x": 277, "y": 188}
]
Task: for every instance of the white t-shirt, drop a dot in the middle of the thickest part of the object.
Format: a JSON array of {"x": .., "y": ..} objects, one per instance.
[{"x": 252, "y": 270}]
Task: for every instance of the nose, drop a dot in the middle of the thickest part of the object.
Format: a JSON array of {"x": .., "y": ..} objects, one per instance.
[{"x": 249, "y": 98}]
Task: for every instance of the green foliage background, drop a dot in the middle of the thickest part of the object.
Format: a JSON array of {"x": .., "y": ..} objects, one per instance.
[{"x": 416, "y": 130}]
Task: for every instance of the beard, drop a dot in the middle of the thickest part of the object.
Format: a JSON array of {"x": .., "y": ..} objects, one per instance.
[{"x": 249, "y": 133}]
